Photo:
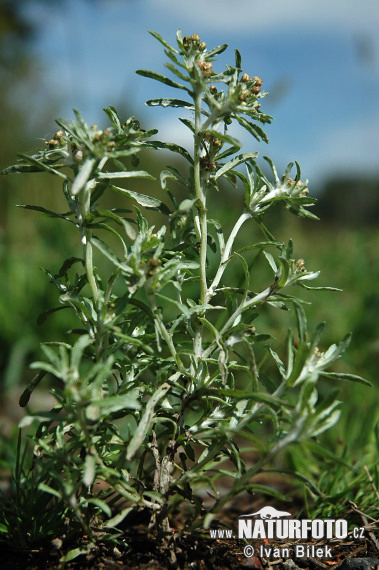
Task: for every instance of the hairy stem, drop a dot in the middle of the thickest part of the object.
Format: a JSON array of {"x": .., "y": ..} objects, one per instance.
[
  {"x": 164, "y": 332},
  {"x": 200, "y": 195},
  {"x": 201, "y": 218},
  {"x": 225, "y": 254},
  {"x": 84, "y": 209}
]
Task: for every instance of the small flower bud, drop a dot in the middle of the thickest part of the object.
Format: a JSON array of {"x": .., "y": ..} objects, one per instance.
[
  {"x": 205, "y": 67},
  {"x": 202, "y": 46},
  {"x": 317, "y": 352},
  {"x": 257, "y": 84},
  {"x": 245, "y": 77},
  {"x": 243, "y": 95},
  {"x": 300, "y": 267},
  {"x": 297, "y": 186},
  {"x": 52, "y": 143},
  {"x": 213, "y": 89},
  {"x": 77, "y": 154},
  {"x": 58, "y": 135},
  {"x": 153, "y": 265},
  {"x": 207, "y": 164},
  {"x": 195, "y": 38}
]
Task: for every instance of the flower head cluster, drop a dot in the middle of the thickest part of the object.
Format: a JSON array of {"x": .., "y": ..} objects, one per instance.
[
  {"x": 193, "y": 43},
  {"x": 57, "y": 140}
]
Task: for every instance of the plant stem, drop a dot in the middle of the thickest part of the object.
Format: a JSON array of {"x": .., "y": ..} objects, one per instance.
[
  {"x": 169, "y": 341},
  {"x": 84, "y": 209},
  {"x": 225, "y": 254},
  {"x": 202, "y": 217},
  {"x": 89, "y": 267},
  {"x": 201, "y": 197},
  {"x": 243, "y": 306}
]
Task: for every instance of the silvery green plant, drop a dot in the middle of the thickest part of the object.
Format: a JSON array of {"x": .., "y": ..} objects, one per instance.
[{"x": 165, "y": 378}]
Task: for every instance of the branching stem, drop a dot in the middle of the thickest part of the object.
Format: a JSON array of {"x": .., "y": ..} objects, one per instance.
[{"x": 226, "y": 253}]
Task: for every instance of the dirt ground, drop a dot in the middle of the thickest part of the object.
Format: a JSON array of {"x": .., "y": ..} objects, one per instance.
[{"x": 142, "y": 550}]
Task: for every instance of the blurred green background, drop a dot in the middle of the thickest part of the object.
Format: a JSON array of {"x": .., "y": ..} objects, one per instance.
[{"x": 344, "y": 245}]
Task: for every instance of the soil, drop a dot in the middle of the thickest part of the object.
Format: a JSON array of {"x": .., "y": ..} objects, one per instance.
[
  {"x": 141, "y": 548},
  {"x": 143, "y": 551}
]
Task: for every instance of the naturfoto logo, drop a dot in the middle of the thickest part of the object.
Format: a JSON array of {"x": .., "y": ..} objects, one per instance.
[
  {"x": 272, "y": 524},
  {"x": 269, "y": 513},
  {"x": 276, "y": 524}
]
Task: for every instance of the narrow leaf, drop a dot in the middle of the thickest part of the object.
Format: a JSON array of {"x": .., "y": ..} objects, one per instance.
[
  {"x": 145, "y": 422},
  {"x": 126, "y": 174},
  {"x": 170, "y": 103},
  {"x": 89, "y": 470},
  {"x": 105, "y": 250},
  {"x": 301, "y": 321},
  {"x": 241, "y": 394},
  {"x": 135, "y": 341},
  {"x": 253, "y": 129},
  {"x": 217, "y": 50},
  {"x": 68, "y": 263},
  {"x": 117, "y": 519},
  {"x": 83, "y": 176},
  {"x": 345, "y": 376},
  {"x": 102, "y": 505},
  {"x": 238, "y": 58},
  {"x": 113, "y": 117},
  {"x": 49, "y": 213},
  {"x": 171, "y": 146},
  {"x": 118, "y": 402},
  {"x": 163, "y": 42},
  {"x": 25, "y": 396},
  {"x": 42, "y": 166},
  {"x": 161, "y": 78},
  {"x": 189, "y": 124},
  {"x": 317, "y": 288},
  {"x": 50, "y": 490},
  {"x": 235, "y": 162},
  {"x": 43, "y": 316},
  {"x": 143, "y": 200}
]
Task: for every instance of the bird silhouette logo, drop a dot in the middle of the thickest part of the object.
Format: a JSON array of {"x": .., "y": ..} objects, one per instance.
[{"x": 268, "y": 513}]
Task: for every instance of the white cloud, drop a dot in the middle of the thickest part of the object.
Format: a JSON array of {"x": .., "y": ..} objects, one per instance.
[
  {"x": 349, "y": 149},
  {"x": 256, "y": 16}
]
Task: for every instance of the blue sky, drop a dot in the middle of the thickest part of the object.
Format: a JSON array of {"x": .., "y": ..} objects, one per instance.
[{"x": 319, "y": 60}]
